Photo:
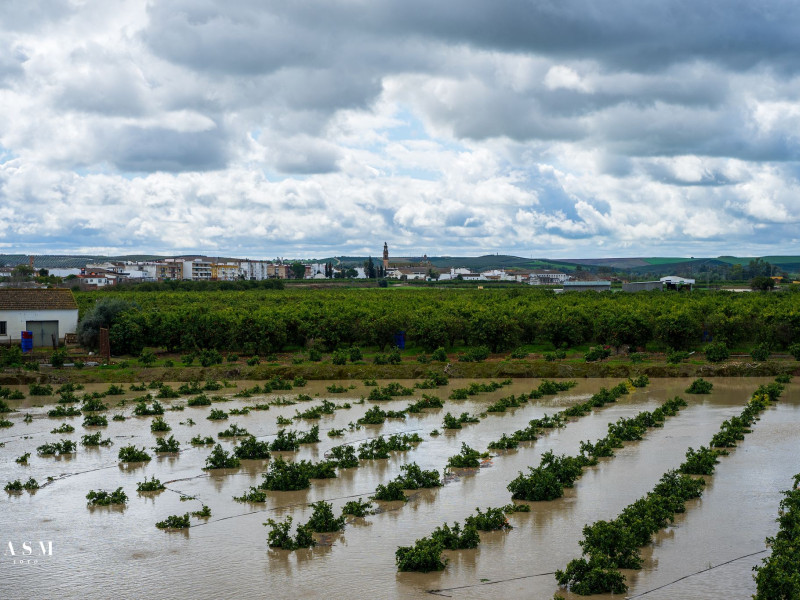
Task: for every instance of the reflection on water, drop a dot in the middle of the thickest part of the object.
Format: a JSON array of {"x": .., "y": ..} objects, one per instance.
[{"x": 227, "y": 555}]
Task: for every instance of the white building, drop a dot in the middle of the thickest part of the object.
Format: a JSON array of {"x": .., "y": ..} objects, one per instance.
[
  {"x": 547, "y": 277},
  {"x": 257, "y": 270},
  {"x": 197, "y": 270},
  {"x": 48, "y": 313}
]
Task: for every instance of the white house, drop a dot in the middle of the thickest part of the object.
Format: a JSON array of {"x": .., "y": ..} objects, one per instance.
[{"x": 48, "y": 313}]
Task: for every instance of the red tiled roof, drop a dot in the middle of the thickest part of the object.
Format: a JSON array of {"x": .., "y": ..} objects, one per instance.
[{"x": 37, "y": 299}]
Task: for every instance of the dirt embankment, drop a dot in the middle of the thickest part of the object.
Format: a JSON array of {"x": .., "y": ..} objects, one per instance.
[{"x": 406, "y": 370}]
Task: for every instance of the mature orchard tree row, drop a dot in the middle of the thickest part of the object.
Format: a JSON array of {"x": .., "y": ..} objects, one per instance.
[{"x": 266, "y": 321}]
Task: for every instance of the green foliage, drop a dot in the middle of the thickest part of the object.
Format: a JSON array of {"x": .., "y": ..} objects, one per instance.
[
  {"x": 675, "y": 357},
  {"x": 778, "y": 575},
  {"x": 234, "y": 430},
  {"x": 412, "y": 477},
  {"x": 142, "y": 409},
  {"x": 492, "y": 520},
  {"x": 57, "y": 448},
  {"x": 217, "y": 415},
  {"x": 467, "y": 458},
  {"x": 285, "y": 442},
  {"x": 220, "y": 459},
  {"x": 339, "y": 357},
  {"x": 167, "y": 445},
  {"x": 309, "y": 437},
  {"x": 38, "y": 389},
  {"x": 95, "y": 439},
  {"x": 700, "y": 386},
  {"x": 285, "y": 476},
  {"x": 279, "y": 536},
  {"x": 166, "y": 391},
  {"x": 23, "y": 460},
  {"x": 159, "y": 425},
  {"x": 451, "y": 422},
  {"x": 252, "y": 495},
  {"x": 794, "y": 350},
  {"x": 203, "y": 513},
  {"x": 63, "y": 428},
  {"x": 104, "y": 314},
  {"x": 323, "y": 520},
  {"x": 390, "y": 492},
  {"x": 59, "y": 358},
  {"x": 199, "y": 440},
  {"x": 440, "y": 355},
  {"x": 357, "y": 508},
  {"x": 210, "y": 357},
  {"x": 455, "y": 538},
  {"x": 700, "y": 462},
  {"x": 251, "y": 449},
  {"x": 175, "y": 522},
  {"x": 201, "y": 400},
  {"x": 150, "y": 485},
  {"x": 147, "y": 357},
  {"x": 424, "y": 556},
  {"x": 104, "y": 498},
  {"x": 640, "y": 381},
  {"x": 519, "y": 353},
  {"x": 132, "y": 454},
  {"x": 477, "y": 354},
  {"x": 18, "y": 486},
  {"x": 345, "y": 456},
  {"x": 596, "y": 353},
  {"x": 761, "y": 352},
  {"x": 716, "y": 352}
]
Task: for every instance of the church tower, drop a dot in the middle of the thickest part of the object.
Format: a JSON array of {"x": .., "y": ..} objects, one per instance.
[{"x": 385, "y": 257}]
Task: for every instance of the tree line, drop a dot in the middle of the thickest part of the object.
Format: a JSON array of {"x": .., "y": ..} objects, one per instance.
[{"x": 261, "y": 321}]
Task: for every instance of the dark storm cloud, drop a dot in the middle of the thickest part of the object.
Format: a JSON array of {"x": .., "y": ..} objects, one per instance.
[{"x": 159, "y": 149}]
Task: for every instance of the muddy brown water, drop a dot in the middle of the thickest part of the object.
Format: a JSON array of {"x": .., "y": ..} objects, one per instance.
[{"x": 107, "y": 552}]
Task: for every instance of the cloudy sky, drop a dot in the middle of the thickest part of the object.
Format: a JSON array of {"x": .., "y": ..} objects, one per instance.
[{"x": 263, "y": 128}]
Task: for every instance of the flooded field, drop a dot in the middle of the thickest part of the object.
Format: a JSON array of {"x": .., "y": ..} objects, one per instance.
[{"x": 118, "y": 552}]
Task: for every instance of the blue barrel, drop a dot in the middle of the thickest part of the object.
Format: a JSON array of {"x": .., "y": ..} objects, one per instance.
[
  {"x": 400, "y": 340},
  {"x": 27, "y": 341}
]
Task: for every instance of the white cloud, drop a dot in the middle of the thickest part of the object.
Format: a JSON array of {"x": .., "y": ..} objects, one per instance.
[{"x": 266, "y": 128}]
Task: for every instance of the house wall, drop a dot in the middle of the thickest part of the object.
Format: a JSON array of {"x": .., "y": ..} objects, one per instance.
[{"x": 16, "y": 320}]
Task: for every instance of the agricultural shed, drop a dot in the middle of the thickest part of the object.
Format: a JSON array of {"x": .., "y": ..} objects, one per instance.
[
  {"x": 583, "y": 286},
  {"x": 641, "y": 286},
  {"x": 48, "y": 313}
]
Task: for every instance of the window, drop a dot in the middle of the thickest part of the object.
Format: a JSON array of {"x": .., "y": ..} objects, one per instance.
[{"x": 3, "y": 328}]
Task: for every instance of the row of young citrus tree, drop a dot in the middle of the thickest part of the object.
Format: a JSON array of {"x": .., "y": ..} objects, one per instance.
[{"x": 267, "y": 321}]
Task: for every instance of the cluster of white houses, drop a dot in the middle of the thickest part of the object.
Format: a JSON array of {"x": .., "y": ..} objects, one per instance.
[{"x": 206, "y": 269}]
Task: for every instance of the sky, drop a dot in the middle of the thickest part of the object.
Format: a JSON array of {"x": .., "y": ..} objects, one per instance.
[{"x": 264, "y": 128}]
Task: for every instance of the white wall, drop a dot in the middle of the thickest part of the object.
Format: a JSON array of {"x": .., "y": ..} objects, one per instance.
[{"x": 16, "y": 319}]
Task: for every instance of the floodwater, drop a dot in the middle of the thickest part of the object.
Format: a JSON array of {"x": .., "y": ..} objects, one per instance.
[{"x": 108, "y": 552}]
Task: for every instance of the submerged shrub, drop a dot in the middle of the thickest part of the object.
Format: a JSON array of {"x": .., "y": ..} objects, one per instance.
[
  {"x": 175, "y": 522},
  {"x": 220, "y": 459},
  {"x": 322, "y": 519},
  {"x": 424, "y": 556},
  {"x": 700, "y": 386},
  {"x": 133, "y": 454},
  {"x": 357, "y": 508},
  {"x": 285, "y": 476},
  {"x": 467, "y": 458},
  {"x": 251, "y": 449},
  {"x": 151, "y": 485},
  {"x": 104, "y": 498},
  {"x": 95, "y": 440},
  {"x": 167, "y": 445}
]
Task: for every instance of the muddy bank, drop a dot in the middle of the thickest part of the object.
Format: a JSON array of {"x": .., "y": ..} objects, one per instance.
[{"x": 128, "y": 372}]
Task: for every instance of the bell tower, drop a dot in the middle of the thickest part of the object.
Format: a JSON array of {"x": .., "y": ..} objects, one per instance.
[{"x": 385, "y": 257}]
